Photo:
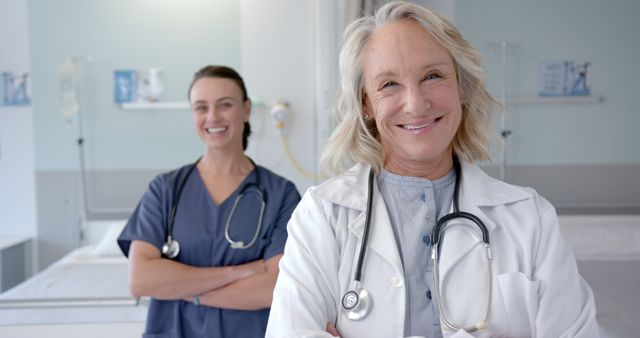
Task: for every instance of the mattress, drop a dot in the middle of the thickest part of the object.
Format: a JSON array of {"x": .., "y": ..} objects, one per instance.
[
  {"x": 88, "y": 285},
  {"x": 608, "y": 252}
]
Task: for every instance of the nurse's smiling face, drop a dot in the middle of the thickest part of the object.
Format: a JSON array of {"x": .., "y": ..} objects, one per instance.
[
  {"x": 219, "y": 112},
  {"x": 411, "y": 90}
]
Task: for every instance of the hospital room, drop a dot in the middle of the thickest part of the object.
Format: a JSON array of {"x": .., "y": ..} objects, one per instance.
[{"x": 97, "y": 103}]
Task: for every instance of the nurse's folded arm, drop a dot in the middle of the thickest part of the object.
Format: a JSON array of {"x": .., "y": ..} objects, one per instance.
[
  {"x": 153, "y": 276},
  {"x": 252, "y": 293}
]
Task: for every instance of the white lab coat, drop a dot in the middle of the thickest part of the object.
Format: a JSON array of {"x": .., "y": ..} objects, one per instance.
[{"x": 536, "y": 288}]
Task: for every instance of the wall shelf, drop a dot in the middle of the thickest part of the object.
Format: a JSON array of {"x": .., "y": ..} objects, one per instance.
[
  {"x": 556, "y": 99},
  {"x": 163, "y": 105}
]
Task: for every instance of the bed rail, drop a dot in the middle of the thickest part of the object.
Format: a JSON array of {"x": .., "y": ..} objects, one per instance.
[{"x": 30, "y": 303}]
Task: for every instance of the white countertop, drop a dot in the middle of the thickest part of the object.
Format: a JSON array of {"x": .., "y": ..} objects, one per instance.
[{"x": 7, "y": 241}]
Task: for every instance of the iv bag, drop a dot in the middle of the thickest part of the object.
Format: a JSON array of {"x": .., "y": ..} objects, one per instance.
[{"x": 68, "y": 90}]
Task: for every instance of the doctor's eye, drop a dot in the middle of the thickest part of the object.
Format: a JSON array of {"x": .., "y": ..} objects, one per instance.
[
  {"x": 432, "y": 76},
  {"x": 388, "y": 84}
]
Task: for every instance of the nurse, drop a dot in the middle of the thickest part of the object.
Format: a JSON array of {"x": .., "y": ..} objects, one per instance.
[
  {"x": 412, "y": 119},
  {"x": 220, "y": 281}
]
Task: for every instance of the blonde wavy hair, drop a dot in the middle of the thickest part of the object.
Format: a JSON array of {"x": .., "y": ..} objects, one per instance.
[{"x": 354, "y": 139}]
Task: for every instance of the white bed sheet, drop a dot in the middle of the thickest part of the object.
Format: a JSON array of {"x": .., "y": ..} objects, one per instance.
[
  {"x": 603, "y": 237},
  {"x": 80, "y": 274},
  {"x": 608, "y": 252}
]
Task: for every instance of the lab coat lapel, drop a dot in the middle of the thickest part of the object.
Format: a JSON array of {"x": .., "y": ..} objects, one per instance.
[
  {"x": 474, "y": 195},
  {"x": 381, "y": 237},
  {"x": 463, "y": 267},
  {"x": 351, "y": 190}
]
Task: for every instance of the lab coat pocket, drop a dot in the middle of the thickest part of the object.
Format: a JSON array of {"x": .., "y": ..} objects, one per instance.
[{"x": 520, "y": 299}]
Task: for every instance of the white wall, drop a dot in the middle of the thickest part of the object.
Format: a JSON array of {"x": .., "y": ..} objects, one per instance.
[
  {"x": 289, "y": 57},
  {"x": 290, "y": 51},
  {"x": 17, "y": 176},
  {"x": 443, "y": 7},
  {"x": 548, "y": 30}
]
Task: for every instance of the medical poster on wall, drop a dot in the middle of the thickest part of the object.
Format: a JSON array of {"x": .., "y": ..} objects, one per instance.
[
  {"x": 565, "y": 78},
  {"x": 137, "y": 86},
  {"x": 15, "y": 88},
  {"x": 124, "y": 86}
]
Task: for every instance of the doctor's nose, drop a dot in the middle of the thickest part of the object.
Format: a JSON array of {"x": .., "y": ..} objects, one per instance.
[{"x": 416, "y": 101}]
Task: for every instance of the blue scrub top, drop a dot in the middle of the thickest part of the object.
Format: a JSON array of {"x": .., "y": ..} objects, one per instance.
[{"x": 199, "y": 228}]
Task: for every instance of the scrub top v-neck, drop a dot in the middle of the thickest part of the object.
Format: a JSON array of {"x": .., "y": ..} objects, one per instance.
[{"x": 200, "y": 229}]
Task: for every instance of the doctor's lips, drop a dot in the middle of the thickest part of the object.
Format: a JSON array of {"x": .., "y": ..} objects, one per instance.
[{"x": 412, "y": 127}]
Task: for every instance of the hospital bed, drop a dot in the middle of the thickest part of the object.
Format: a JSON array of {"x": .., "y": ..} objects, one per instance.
[
  {"x": 85, "y": 294},
  {"x": 608, "y": 252}
]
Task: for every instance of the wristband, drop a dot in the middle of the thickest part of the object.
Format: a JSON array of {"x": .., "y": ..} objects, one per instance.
[{"x": 196, "y": 300}]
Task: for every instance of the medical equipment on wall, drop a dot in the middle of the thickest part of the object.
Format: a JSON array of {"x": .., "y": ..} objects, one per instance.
[
  {"x": 280, "y": 113},
  {"x": 171, "y": 247},
  {"x": 356, "y": 303}
]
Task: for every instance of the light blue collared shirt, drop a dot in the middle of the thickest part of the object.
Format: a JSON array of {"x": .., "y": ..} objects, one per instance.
[{"x": 415, "y": 204}]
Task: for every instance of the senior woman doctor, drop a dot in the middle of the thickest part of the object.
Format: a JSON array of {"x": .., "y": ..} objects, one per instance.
[{"x": 413, "y": 110}]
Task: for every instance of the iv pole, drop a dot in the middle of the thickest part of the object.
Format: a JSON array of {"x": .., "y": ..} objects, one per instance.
[
  {"x": 71, "y": 109},
  {"x": 505, "y": 128}
]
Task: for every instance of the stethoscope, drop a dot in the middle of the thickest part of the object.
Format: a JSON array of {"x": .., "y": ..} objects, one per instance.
[
  {"x": 171, "y": 247},
  {"x": 356, "y": 303}
]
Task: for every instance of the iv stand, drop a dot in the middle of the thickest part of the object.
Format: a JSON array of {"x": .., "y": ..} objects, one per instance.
[{"x": 505, "y": 128}]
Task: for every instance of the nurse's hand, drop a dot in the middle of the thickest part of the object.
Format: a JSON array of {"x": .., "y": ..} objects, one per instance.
[
  {"x": 251, "y": 268},
  {"x": 332, "y": 330}
]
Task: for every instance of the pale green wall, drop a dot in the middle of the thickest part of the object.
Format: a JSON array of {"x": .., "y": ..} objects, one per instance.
[
  {"x": 177, "y": 36},
  {"x": 603, "y": 32}
]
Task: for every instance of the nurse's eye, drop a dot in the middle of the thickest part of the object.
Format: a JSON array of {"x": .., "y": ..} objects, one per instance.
[
  {"x": 225, "y": 105},
  {"x": 200, "y": 109}
]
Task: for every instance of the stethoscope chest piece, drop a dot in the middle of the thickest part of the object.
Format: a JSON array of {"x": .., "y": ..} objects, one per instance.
[
  {"x": 356, "y": 304},
  {"x": 171, "y": 248}
]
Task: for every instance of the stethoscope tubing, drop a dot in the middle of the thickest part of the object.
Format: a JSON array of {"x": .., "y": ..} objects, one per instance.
[
  {"x": 171, "y": 247},
  {"x": 240, "y": 244},
  {"x": 365, "y": 236},
  {"x": 356, "y": 313}
]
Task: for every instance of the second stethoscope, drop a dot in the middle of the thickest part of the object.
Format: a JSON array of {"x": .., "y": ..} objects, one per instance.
[
  {"x": 356, "y": 303},
  {"x": 171, "y": 247}
]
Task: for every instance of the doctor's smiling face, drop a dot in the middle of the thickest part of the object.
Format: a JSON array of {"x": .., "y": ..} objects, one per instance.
[
  {"x": 219, "y": 112},
  {"x": 411, "y": 91}
]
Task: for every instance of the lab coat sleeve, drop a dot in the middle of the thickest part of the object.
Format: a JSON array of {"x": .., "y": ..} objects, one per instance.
[
  {"x": 566, "y": 303},
  {"x": 304, "y": 296}
]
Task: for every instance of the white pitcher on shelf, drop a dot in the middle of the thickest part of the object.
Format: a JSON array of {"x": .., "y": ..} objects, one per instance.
[{"x": 150, "y": 85}]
